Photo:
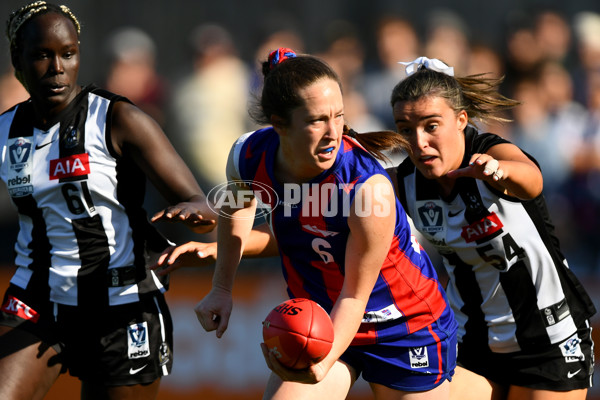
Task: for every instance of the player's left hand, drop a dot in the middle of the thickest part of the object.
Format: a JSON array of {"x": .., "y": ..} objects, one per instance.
[
  {"x": 481, "y": 166},
  {"x": 313, "y": 374}
]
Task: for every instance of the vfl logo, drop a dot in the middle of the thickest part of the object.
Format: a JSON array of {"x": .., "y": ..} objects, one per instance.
[
  {"x": 571, "y": 350},
  {"x": 71, "y": 166},
  {"x": 487, "y": 226},
  {"x": 19, "y": 152},
  {"x": 431, "y": 217},
  {"x": 17, "y": 307},
  {"x": 138, "y": 342},
  {"x": 418, "y": 357}
]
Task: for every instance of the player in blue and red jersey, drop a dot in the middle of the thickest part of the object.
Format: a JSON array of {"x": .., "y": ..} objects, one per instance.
[{"x": 344, "y": 242}]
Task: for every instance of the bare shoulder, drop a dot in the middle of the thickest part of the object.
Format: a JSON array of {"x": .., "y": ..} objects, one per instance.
[{"x": 130, "y": 125}]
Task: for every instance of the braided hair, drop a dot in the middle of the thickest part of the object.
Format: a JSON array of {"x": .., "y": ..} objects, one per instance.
[{"x": 20, "y": 17}]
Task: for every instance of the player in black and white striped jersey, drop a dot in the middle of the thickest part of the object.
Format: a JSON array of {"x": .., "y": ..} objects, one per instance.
[
  {"x": 75, "y": 160},
  {"x": 523, "y": 315}
]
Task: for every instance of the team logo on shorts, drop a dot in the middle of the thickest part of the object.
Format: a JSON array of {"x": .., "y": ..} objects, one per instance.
[
  {"x": 418, "y": 357},
  {"x": 165, "y": 354},
  {"x": 571, "y": 350},
  {"x": 138, "y": 341}
]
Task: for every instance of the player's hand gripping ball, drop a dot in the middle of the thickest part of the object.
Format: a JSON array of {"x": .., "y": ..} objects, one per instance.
[{"x": 299, "y": 332}]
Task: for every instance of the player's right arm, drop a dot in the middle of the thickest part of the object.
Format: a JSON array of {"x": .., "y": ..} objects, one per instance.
[{"x": 235, "y": 225}]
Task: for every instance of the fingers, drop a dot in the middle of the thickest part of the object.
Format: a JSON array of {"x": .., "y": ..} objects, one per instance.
[
  {"x": 194, "y": 221},
  {"x": 207, "y": 250},
  {"x": 189, "y": 247},
  {"x": 157, "y": 216},
  {"x": 208, "y": 319},
  {"x": 160, "y": 262},
  {"x": 167, "y": 261},
  {"x": 163, "y": 257},
  {"x": 266, "y": 355},
  {"x": 223, "y": 323},
  {"x": 186, "y": 211},
  {"x": 212, "y": 320},
  {"x": 498, "y": 174},
  {"x": 491, "y": 166}
]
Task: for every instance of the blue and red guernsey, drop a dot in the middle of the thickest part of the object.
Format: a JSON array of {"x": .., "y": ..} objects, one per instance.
[{"x": 310, "y": 224}]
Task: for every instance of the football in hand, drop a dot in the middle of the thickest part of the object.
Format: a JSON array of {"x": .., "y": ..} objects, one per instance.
[{"x": 299, "y": 332}]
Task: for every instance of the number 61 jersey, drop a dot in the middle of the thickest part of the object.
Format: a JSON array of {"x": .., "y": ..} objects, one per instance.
[
  {"x": 82, "y": 229},
  {"x": 510, "y": 286},
  {"x": 310, "y": 224}
]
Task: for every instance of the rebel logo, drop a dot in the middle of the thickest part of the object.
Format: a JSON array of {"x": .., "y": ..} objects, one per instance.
[
  {"x": 17, "y": 307},
  {"x": 485, "y": 227},
  {"x": 71, "y": 166}
]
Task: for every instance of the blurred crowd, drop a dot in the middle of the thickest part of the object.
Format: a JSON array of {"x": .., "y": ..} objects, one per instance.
[{"x": 550, "y": 62}]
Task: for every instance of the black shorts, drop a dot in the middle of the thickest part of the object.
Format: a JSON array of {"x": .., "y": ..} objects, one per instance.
[
  {"x": 119, "y": 345},
  {"x": 563, "y": 366}
]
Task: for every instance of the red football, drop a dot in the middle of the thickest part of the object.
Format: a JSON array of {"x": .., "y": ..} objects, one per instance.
[{"x": 299, "y": 332}]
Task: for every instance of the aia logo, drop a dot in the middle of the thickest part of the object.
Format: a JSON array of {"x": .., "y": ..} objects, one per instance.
[
  {"x": 487, "y": 226},
  {"x": 17, "y": 307},
  {"x": 71, "y": 166}
]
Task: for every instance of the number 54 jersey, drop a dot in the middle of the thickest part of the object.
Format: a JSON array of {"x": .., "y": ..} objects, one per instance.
[
  {"x": 82, "y": 229},
  {"x": 510, "y": 286}
]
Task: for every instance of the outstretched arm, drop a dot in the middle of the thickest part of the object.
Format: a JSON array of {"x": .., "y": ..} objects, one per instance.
[
  {"x": 136, "y": 135},
  {"x": 506, "y": 168}
]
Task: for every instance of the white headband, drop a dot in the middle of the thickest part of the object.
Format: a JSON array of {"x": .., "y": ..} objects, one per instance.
[{"x": 429, "y": 63}]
